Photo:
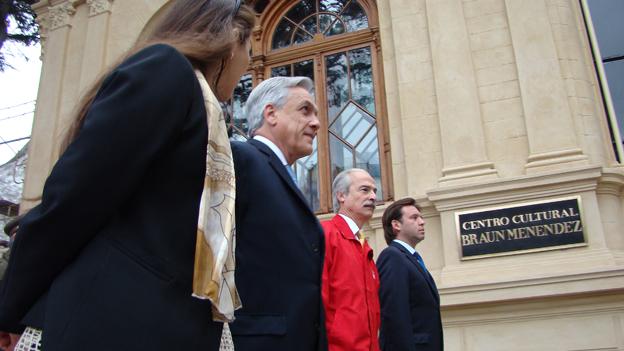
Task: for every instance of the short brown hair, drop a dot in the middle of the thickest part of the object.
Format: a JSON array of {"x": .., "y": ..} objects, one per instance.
[{"x": 395, "y": 212}]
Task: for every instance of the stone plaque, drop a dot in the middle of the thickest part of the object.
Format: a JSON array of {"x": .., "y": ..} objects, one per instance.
[{"x": 528, "y": 227}]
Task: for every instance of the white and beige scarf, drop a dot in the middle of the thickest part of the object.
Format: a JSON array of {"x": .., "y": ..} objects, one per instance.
[{"x": 213, "y": 276}]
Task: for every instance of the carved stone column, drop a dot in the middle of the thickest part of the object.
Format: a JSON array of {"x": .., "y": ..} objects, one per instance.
[
  {"x": 461, "y": 128},
  {"x": 44, "y": 26},
  {"x": 550, "y": 128},
  {"x": 96, "y": 41},
  {"x": 55, "y": 28}
]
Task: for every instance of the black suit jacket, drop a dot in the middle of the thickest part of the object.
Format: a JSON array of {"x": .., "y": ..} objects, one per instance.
[
  {"x": 279, "y": 257},
  {"x": 106, "y": 259},
  {"x": 410, "y": 304}
]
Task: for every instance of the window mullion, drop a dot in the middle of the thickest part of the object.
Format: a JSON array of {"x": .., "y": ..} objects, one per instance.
[{"x": 325, "y": 197}]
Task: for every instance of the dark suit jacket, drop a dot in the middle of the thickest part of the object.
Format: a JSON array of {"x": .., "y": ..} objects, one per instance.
[
  {"x": 279, "y": 257},
  {"x": 113, "y": 240},
  {"x": 410, "y": 304}
]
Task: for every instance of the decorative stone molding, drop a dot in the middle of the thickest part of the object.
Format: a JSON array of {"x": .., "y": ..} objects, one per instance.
[
  {"x": 523, "y": 188},
  {"x": 542, "y": 287},
  {"x": 97, "y": 7},
  {"x": 611, "y": 183},
  {"x": 545, "y": 159},
  {"x": 60, "y": 15},
  {"x": 44, "y": 25},
  {"x": 474, "y": 171}
]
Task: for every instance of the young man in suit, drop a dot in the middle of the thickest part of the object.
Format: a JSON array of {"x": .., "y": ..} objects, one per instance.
[
  {"x": 279, "y": 241},
  {"x": 410, "y": 304},
  {"x": 350, "y": 278}
]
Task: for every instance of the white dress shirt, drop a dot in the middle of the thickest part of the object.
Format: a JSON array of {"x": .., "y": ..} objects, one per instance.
[
  {"x": 405, "y": 245},
  {"x": 354, "y": 228},
  {"x": 276, "y": 150}
]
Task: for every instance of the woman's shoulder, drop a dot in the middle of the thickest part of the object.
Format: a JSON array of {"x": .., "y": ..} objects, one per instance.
[
  {"x": 160, "y": 59},
  {"x": 161, "y": 67},
  {"x": 161, "y": 50}
]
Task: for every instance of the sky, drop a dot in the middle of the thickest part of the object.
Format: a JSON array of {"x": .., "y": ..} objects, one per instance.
[{"x": 18, "y": 91}]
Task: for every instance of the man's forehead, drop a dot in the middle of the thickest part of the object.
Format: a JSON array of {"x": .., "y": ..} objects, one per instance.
[
  {"x": 362, "y": 177},
  {"x": 410, "y": 210},
  {"x": 363, "y": 184},
  {"x": 300, "y": 93}
]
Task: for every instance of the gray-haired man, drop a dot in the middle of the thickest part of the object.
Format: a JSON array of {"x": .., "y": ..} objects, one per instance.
[{"x": 279, "y": 243}]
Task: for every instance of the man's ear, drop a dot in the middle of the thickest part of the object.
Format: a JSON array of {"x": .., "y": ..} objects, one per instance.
[
  {"x": 340, "y": 197},
  {"x": 269, "y": 114},
  {"x": 396, "y": 225}
]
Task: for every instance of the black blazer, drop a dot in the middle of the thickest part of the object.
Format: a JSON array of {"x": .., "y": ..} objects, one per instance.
[
  {"x": 113, "y": 240},
  {"x": 279, "y": 256},
  {"x": 410, "y": 304}
]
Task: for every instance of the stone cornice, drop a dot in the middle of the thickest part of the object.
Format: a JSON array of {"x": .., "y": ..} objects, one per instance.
[
  {"x": 555, "y": 183},
  {"x": 582, "y": 283},
  {"x": 611, "y": 182}
]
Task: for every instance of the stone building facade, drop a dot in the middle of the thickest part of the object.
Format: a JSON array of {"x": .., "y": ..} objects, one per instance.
[{"x": 469, "y": 106}]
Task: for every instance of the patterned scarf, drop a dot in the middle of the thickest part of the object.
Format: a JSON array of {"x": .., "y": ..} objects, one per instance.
[{"x": 213, "y": 276}]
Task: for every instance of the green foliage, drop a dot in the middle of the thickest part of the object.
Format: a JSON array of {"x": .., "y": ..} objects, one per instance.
[{"x": 17, "y": 25}]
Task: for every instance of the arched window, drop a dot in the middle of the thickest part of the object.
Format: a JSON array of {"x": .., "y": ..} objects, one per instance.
[
  {"x": 336, "y": 44},
  {"x": 311, "y": 17}
]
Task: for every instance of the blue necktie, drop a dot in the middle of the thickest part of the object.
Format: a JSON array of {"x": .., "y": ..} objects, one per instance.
[
  {"x": 427, "y": 275},
  {"x": 291, "y": 173},
  {"x": 420, "y": 260}
]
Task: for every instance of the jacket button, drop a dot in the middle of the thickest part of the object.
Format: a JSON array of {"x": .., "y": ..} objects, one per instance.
[{"x": 315, "y": 248}]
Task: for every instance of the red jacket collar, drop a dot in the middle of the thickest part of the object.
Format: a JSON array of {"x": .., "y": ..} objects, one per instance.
[
  {"x": 345, "y": 231},
  {"x": 343, "y": 227}
]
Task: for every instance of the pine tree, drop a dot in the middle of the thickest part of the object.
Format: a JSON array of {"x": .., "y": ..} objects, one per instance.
[{"x": 24, "y": 29}]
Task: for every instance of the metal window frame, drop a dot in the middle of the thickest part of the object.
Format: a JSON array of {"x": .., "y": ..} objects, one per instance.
[{"x": 604, "y": 84}]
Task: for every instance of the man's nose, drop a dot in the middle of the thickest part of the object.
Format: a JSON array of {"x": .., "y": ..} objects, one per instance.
[{"x": 315, "y": 122}]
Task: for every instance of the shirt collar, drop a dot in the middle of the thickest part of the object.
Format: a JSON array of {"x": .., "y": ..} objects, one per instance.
[
  {"x": 354, "y": 228},
  {"x": 405, "y": 245},
  {"x": 276, "y": 150}
]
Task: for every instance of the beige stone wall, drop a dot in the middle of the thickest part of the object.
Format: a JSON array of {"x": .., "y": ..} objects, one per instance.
[
  {"x": 593, "y": 323},
  {"x": 489, "y": 103}
]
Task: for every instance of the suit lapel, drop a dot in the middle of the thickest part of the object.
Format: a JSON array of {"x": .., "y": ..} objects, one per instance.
[
  {"x": 428, "y": 278},
  {"x": 279, "y": 168}
]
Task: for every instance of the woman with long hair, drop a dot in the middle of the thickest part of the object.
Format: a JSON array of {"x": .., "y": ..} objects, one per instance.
[{"x": 130, "y": 247}]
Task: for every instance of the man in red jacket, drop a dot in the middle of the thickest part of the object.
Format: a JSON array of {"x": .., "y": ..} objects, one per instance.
[{"x": 350, "y": 283}]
